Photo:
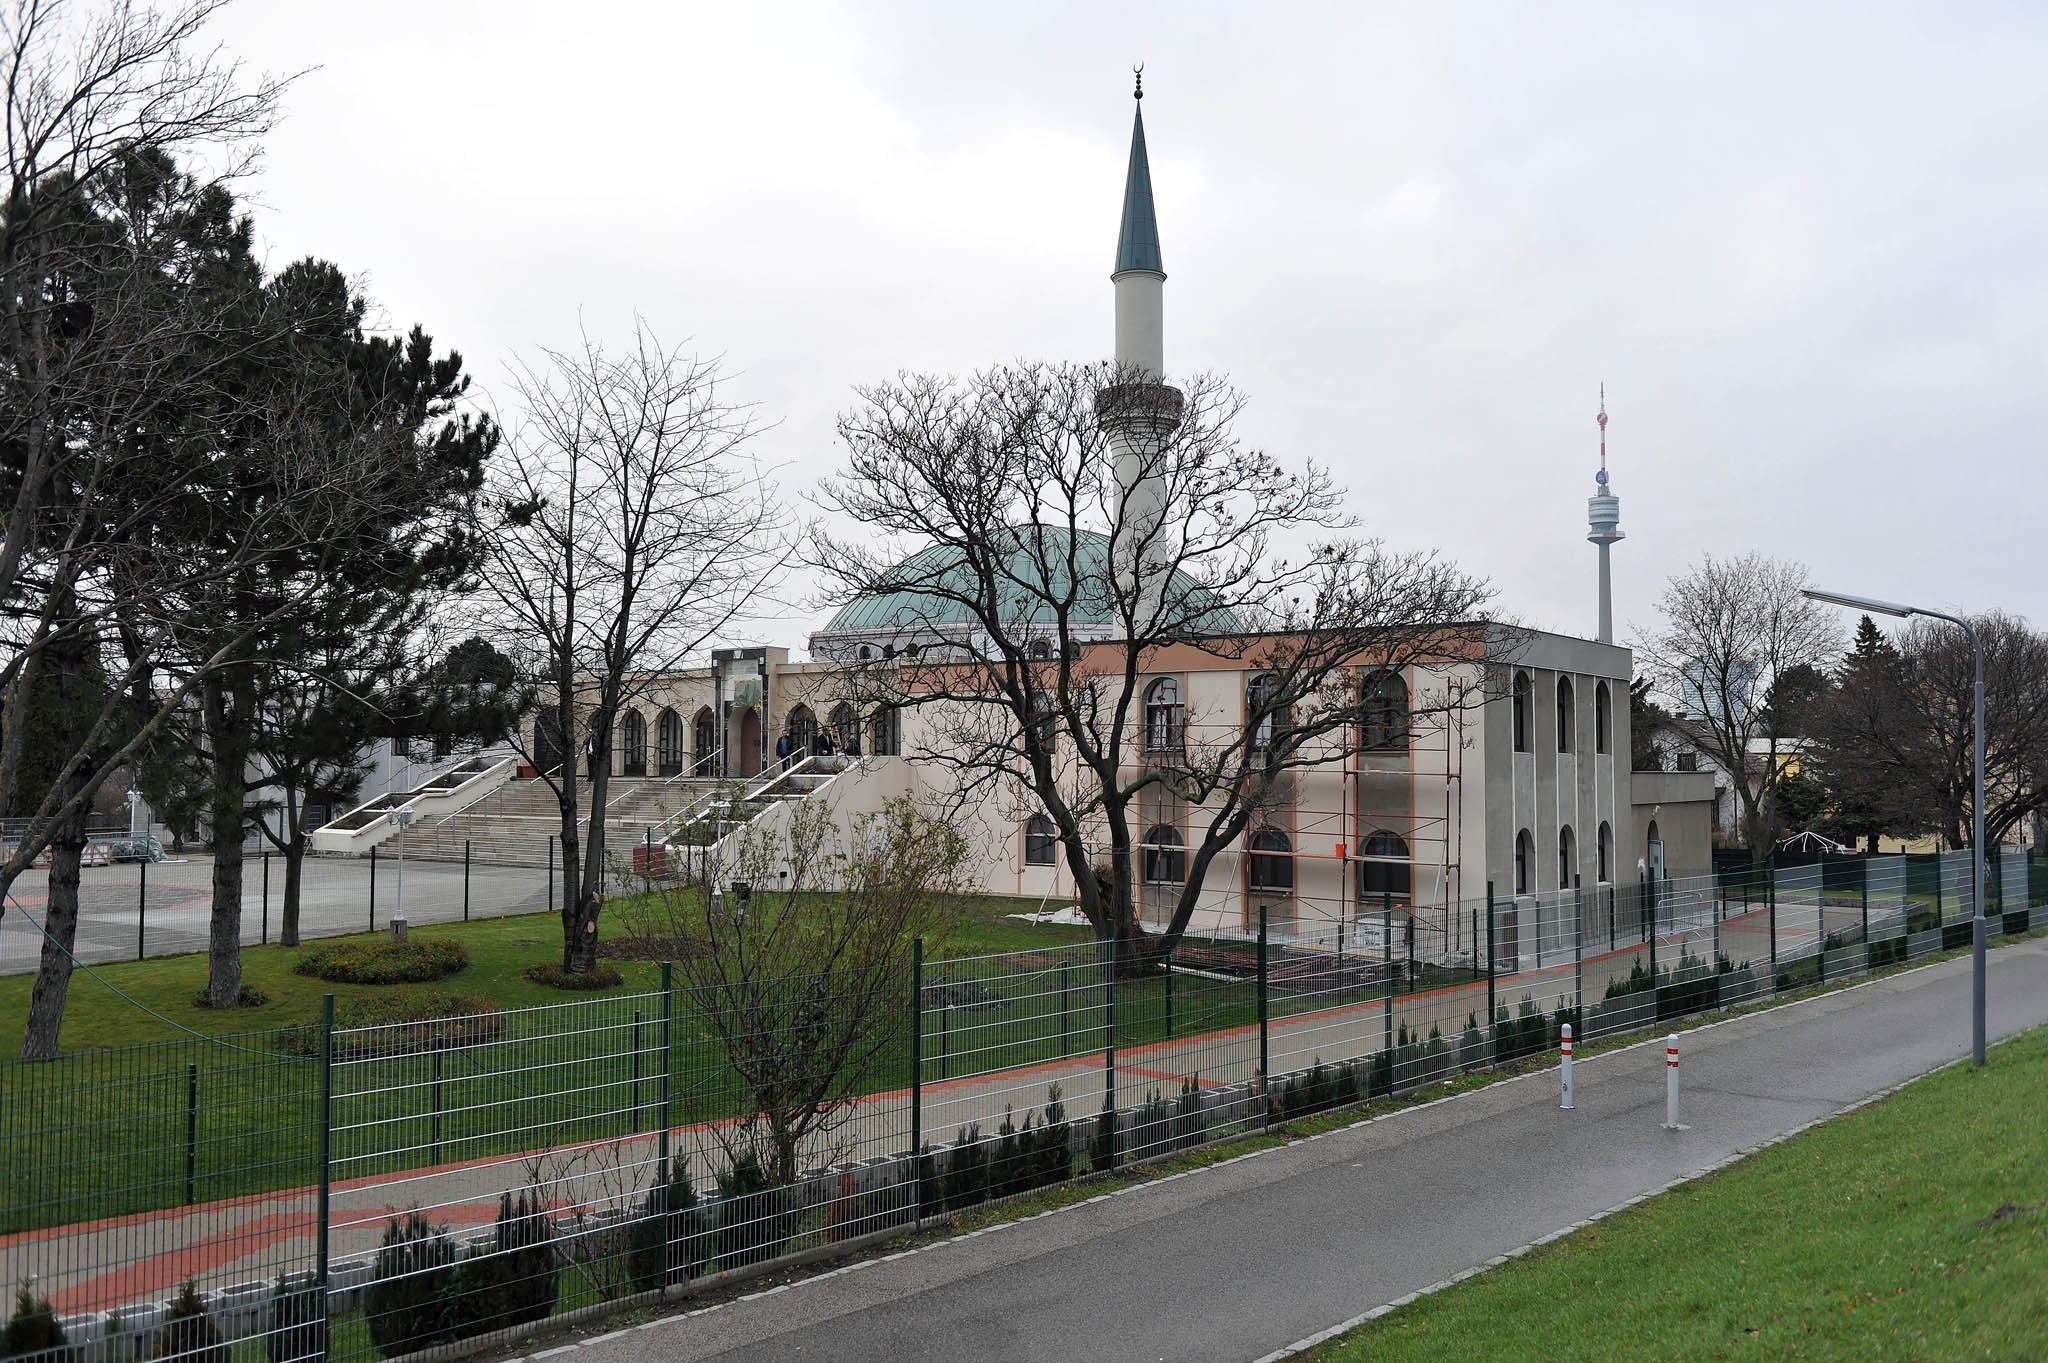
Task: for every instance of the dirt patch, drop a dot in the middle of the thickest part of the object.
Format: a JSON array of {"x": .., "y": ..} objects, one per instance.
[
  {"x": 650, "y": 949},
  {"x": 2005, "y": 1210}
]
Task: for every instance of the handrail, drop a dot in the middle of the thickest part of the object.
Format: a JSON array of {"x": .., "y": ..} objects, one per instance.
[
  {"x": 471, "y": 769},
  {"x": 759, "y": 784}
]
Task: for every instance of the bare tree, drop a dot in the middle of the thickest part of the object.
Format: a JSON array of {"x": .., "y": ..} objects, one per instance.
[
  {"x": 1076, "y": 524},
  {"x": 88, "y": 323},
  {"x": 1731, "y": 629},
  {"x": 805, "y": 986},
  {"x": 634, "y": 527}
]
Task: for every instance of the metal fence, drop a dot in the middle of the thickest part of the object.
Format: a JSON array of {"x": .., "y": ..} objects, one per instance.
[
  {"x": 128, "y": 910},
  {"x": 355, "y": 1191}
]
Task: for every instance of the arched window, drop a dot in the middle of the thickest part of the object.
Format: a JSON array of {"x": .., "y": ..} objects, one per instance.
[
  {"x": 633, "y": 743},
  {"x": 703, "y": 742},
  {"x": 1521, "y": 708},
  {"x": 1385, "y": 873},
  {"x": 1605, "y": 847},
  {"x": 885, "y": 734},
  {"x": 845, "y": 726},
  {"x": 668, "y": 743},
  {"x": 1567, "y": 857},
  {"x": 1039, "y": 838},
  {"x": 1272, "y": 861},
  {"x": 1385, "y": 719},
  {"x": 1567, "y": 716},
  {"x": 803, "y": 729},
  {"x": 1603, "y": 719},
  {"x": 1165, "y": 717},
  {"x": 1038, "y": 648},
  {"x": 1260, "y": 713},
  {"x": 1165, "y": 859},
  {"x": 1525, "y": 859}
]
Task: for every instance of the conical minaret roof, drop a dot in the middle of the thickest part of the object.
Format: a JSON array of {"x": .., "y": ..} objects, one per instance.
[{"x": 1137, "y": 241}]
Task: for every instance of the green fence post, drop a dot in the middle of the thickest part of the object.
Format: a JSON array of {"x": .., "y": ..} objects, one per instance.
[
  {"x": 191, "y": 1134},
  {"x": 1611, "y": 938},
  {"x": 1265, "y": 1040},
  {"x": 1578, "y": 946},
  {"x": 945, "y": 1039},
  {"x": 1066, "y": 1008},
  {"x": 437, "y": 1100},
  {"x": 1771, "y": 890},
  {"x": 1387, "y": 1004},
  {"x": 1938, "y": 917},
  {"x": 551, "y": 873},
  {"x": 465, "y": 880},
  {"x": 1492, "y": 1042},
  {"x": 917, "y": 1076},
  {"x": 141, "y": 904},
  {"x": 1865, "y": 893},
  {"x": 667, "y": 1084},
  {"x": 325, "y": 1195},
  {"x": 373, "y": 889},
  {"x": 1820, "y": 923},
  {"x": 1169, "y": 991},
  {"x": 636, "y": 1069},
  {"x": 1109, "y": 1047},
  {"x": 265, "y": 939}
]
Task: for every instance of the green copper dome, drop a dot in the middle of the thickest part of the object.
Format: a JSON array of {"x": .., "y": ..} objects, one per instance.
[{"x": 920, "y": 589}]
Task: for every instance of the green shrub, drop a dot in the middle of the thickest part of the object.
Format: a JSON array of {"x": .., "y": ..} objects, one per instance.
[
  {"x": 33, "y": 1329},
  {"x": 1052, "y": 1155},
  {"x": 187, "y": 1335},
  {"x": 512, "y": 1280},
  {"x": 756, "y": 1216},
  {"x": 551, "y": 974},
  {"x": 1321, "y": 1089},
  {"x": 966, "y": 1171},
  {"x": 1008, "y": 1171},
  {"x": 249, "y": 997},
  {"x": 404, "y": 1021},
  {"x": 1153, "y": 1130},
  {"x": 1189, "y": 1123},
  {"x": 674, "y": 1239},
  {"x": 409, "y": 1303},
  {"x": 416, "y": 960},
  {"x": 1886, "y": 951},
  {"x": 1105, "y": 1146},
  {"x": 296, "y": 1331}
]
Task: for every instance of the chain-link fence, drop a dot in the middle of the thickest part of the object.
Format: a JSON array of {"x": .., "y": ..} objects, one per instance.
[{"x": 355, "y": 1191}]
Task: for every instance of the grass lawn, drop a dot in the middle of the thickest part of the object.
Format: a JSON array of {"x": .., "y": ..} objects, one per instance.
[{"x": 1914, "y": 1229}]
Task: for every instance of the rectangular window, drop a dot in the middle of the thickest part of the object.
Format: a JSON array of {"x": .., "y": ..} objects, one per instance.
[{"x": 1688, "y": 761}]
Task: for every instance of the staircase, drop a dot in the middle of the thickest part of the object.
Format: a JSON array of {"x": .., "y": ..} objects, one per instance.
[
  {"x": 515, "y": 824},
  {"x": 699, "y": 834},
  {"x": 447, "y": 792}
]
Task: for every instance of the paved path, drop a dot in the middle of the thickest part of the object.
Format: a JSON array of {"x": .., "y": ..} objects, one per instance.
[
  {"x": 176, "y": 900},
  {"x": 1238, "y": 1261}
]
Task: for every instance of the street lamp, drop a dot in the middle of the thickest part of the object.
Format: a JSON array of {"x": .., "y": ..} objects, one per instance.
[{"x": 1978, "y": 928}]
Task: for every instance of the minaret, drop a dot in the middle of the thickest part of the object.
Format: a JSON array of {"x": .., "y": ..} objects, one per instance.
[
  {"x": 1138, "y": 410},
  {"x": 1603, "y": 520}
]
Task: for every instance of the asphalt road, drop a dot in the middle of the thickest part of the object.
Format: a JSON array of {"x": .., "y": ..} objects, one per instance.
[
  {"x": 175, "y": 901},
  {"x": 1246, "y": 1258}
]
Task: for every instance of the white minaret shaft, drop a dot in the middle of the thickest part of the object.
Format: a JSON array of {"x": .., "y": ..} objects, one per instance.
[
  {"x": 1603, "y": 520},
  {"x": 1139, "y": 412}
]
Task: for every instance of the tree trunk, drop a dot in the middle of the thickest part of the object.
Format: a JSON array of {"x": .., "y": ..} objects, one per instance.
[
  {"x": 294, "y": 877},
  {"x": 230, "y": 811},
  {"x": 60, "y": 928}
]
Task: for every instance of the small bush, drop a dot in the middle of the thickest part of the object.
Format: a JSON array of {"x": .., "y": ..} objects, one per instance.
[
  {"x": 674, "y": 1241},
  {"x": 249, "y": 997},
  {"x": 551, "y": 974},
  {"x": 1008, "y": 1171},
  {"x": 33, "y": 1329},
  {"x": 402, "y": 1022},
  {"x": 187, "y": 1335},
  {"x": 756, "y": 1216},
  {"x": 417, "y": 960},
  {"x": 1052, "y": 1154},
  {"x": 296, "y": 1331},
  {"x": 1153, "y": 1130},
  {"x": 409, "y": 1303},
  {"x": 1189, "y": 1123},
  {"x": 966, "y": 1171},
  {"x": 1105, "y": 1146},
  {"x": 512, "y": 1280}
]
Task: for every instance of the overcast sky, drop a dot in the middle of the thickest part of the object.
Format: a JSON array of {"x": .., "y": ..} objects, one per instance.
[{"x": 1803, "y": 245}]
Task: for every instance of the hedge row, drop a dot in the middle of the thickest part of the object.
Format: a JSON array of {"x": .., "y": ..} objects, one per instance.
[{"x": 415, "y": 961}]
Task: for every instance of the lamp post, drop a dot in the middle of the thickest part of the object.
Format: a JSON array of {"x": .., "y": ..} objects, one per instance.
[{"x": 1978, "y": 927}]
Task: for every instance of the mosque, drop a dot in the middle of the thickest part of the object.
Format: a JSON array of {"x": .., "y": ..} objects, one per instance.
[{"x": 1528, "y": 793}]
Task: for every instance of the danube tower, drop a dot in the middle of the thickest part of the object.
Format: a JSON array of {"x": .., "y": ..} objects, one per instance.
[{"x": 1603, "y": 521}]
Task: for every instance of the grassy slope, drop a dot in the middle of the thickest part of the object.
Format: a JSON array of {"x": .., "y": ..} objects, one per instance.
[{"x": 1874, "y": 1237}]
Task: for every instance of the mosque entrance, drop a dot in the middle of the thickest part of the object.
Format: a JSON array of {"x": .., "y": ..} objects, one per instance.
[{"x": 750, "y": 742}]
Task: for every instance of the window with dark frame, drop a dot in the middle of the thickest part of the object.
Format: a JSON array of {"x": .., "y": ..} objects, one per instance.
[
  {"x": 1039, "y": 840},
  {"x": 1272, "y": 861},
  {"x": 1521, "y": 711},
  {"x": 1384, "y": 720},
  {"x": 1164, "y": 856}
]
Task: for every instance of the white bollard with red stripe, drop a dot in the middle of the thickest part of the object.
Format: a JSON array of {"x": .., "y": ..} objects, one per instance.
[
  {"x": 1671, "y": 1084},
  {"x": 1565, "y": 1049}
]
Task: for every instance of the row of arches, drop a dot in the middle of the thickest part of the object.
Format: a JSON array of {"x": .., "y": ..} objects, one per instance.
[
  {"x": 1567, "y": 858},
  {"x": 1383, "y": 713},
  {"x": 1523, "y": 701},
  {"x": 678, "y": 749}
]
